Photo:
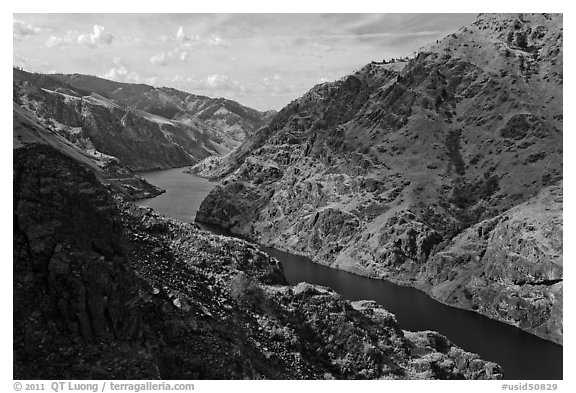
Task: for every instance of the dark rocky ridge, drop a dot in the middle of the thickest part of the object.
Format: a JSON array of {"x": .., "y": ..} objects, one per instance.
[
  {"x": 106, "y": 290},
  {"x": 382, "y": 172}
]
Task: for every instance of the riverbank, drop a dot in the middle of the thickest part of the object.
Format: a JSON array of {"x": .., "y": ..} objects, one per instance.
[
  {"x": 109, "y": 290},
  {"x": 414, "y": 309}
]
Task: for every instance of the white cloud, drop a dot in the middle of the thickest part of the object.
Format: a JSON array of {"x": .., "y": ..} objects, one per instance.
[
  {"x": 22, "y": 29},
  {"x": 190, "y": 41},
  {"x": 321, "y": 47},
  {"x": 98, "y": 37},
  {"x": 184, "y": 38},
  {"x": 215, "y": 40},
  {"x": 163, "y": 59},
  {"x": 221, "y": 82},
  {"x": 53, "y": 41},
  {"x": 274, "y": 85},
  {"x": 121, "y": 72},
  {"x": 159, "y": 59},
  {"x": 271, "y": 79},
  {"x": 181, "y": 35},
  {"x": 209, "y": 84}
]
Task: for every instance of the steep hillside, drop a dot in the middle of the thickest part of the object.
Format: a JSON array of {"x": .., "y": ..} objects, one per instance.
[
  {"x": 107, "y": 290},
  {"x": 508, "y": 267},
  {"x": 29, "y": 130},
  {"x": 140, "y": 140},
  {"x": 230, "y": 122},
  {"x": 378, "y": 172}
]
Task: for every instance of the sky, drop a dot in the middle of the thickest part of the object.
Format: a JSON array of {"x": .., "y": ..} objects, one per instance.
[{"x": 260, "y": 60}]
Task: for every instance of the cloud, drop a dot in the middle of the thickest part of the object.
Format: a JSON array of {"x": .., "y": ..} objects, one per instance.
[
  {"x": 274, "y": 85},
  {"x": 181, "y": 35},
  {"x": 163, "y": 59},
  {"x": 121, "y": 72},
  {"x": 159, "y": 59},
  {"x": 187, "y": 41},
  {"x": 321, "y": 47},
  {"x": 221, "y": 82},
  {"x": 223, "y": 85},
  {"x": 210, "y": 83},
  {"x": 269, "y": 80},
  {"x": 54, "y": 41},
  {"x": 98, "y": 37},
  {"x": 215, "y": 40},
  {"x": 22, "y": 29}
]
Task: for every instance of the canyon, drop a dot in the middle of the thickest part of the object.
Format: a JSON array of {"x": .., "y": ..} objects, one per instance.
[{"x": 443, "y": 173}]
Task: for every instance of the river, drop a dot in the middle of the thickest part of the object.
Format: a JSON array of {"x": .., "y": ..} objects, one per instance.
[{"x": 522, "y": 355}]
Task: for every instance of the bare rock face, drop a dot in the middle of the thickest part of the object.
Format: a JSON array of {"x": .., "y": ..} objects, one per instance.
[
  {"x": 375, "y": 345},
  {"x": 71, "y": 278},
  {"x": 508, "y": 267},
  {"x": 106, "y": 290},
  {"x": 377, "y": 172}
]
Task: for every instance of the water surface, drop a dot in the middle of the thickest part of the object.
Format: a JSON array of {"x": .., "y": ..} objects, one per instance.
[
  {"x": 183, "y": 195},
  {"x": 521, "y": 355}
]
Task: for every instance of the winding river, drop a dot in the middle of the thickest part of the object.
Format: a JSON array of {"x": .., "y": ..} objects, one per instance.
[{"x": 522, "y": 356}]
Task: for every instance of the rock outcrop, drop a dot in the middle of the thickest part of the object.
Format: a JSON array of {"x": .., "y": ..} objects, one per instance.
[
  {"x": 508, "y": 267},
  {"x": 75, "y": 296},
  {"x": 377, "y": 173},
  {"x": 106, "y": 290}
]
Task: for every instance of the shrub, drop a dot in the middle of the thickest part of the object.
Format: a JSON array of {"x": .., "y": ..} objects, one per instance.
[
  {"x": 247, "y": 292},
  {"x": 521, "y": 40}
]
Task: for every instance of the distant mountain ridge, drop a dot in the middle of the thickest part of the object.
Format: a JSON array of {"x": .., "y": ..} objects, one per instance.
[
  {"x": 232, "y": 122},
  {"x": 129, "y": 121},
  {"x": 384, "y": 171},
  {"x": 28, "y": 130}
]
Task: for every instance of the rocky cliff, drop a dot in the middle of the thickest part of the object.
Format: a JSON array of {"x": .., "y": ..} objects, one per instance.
[
  {"x": 107, "y": 290},
  {"x": 384, "y": 172},
  {"x": 508, "y": 267}
]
